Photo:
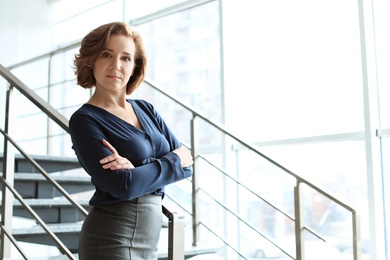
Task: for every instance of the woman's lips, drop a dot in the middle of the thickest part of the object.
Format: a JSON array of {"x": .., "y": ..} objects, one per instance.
[{"x": 113, "y": 77}]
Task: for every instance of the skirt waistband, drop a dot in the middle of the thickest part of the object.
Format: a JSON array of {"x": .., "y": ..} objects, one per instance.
[
  {"x": 122, "y": 207},
  {"x": 153, "y": 199}
]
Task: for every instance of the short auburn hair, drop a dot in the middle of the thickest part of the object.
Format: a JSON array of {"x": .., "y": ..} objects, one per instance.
[{"x": 94, "y": 43}]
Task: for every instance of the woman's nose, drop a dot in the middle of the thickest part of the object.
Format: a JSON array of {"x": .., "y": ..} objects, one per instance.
[{"x": 116, "y": 65}]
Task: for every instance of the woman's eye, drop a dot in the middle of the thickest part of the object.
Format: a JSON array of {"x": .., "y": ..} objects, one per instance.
[
  {"x": 127, "y": 58},
  {"x": 106, "y": 55}
]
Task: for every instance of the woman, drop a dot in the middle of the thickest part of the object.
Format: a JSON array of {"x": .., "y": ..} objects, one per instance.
[{"x": 124, "y": 145}]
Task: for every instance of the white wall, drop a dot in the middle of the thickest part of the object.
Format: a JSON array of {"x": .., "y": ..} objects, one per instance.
[{"x": 25, "y": 29}]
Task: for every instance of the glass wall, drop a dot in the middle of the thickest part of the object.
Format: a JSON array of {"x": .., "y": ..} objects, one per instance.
[
  {"x": 382, "y": 21},
  {"x": 73, "y": 19},
  {"x": 294, "y": 86},
  {"x": 290, "y": 70}
]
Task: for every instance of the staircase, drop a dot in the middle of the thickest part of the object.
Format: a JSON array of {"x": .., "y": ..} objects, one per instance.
[
  {"x": 57, "y": 189},
  {"x": 58, "y": 213},
  {"x": 47, "y": 202}
]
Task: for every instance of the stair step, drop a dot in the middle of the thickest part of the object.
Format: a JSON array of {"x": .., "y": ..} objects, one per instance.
[
  {"x": 38, "y": 230},
  {"x": 68, "y": 233},
  {"x": 45, "y": 203},
  {"x": 52, "y": 210},
  {"x": 47, "y": 162},
  {"x": 35, "y": 185}
]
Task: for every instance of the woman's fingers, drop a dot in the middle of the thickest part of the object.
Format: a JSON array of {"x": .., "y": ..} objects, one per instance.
[
  {"x": 109, "y": 146},
  {"x": 114, "y": 161},
  {"x": 109, "y": 158},
  {"x": 184, "y": 155},
  {"x": 116, "y": 164}
]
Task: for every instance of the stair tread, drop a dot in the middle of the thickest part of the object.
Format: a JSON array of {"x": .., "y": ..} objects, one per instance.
[
  {"x": 59, "y": 178},
  {"x": 50, "y": 202},
  {"x": 56, "y": 228},
  {"x": 19, "y": 156}
]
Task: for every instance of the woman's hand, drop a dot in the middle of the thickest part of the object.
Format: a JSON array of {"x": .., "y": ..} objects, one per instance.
[
  {"x": 184, "y": 155},
  {"x": 115, "y": 161}
]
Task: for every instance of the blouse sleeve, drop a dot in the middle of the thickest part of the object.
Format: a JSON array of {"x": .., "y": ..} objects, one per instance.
[
  {"x": 164, "y": 129},
  {"x": 87, "y": 138}
]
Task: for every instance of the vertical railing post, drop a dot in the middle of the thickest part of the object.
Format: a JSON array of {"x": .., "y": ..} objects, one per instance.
[
  {"x": 8, "y": 175},
  {"x": 299, "y": 220},
  {"x": 195, "y": 185},
  {"x": 176, "y": 230},
  {"x": 357, "y": 247}
]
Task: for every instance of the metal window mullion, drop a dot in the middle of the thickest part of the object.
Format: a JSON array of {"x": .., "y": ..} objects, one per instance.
[
  {"x": 168, "y": 11},
  {"x": 371, "y": 122}
]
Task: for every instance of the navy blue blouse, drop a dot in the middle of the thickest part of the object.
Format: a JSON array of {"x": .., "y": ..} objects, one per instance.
[{"x": 149, "y": 149}]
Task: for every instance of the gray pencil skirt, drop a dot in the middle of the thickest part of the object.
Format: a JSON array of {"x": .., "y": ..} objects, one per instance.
[{"x": 123, "y": 230}]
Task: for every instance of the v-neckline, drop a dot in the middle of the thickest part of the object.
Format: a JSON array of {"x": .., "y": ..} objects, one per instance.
[{"x": 135, "y": 112}]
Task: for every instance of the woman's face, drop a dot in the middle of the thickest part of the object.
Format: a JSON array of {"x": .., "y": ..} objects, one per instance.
[{"x": 115, "y": 64}]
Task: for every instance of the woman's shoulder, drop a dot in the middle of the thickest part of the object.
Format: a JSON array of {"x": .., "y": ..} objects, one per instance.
[
  {"x": 84, "y": 110},
  {"x": 143, "y": 104},
  {"x": 87, "y": 113}
]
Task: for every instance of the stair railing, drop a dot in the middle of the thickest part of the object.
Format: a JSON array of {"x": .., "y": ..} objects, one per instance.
[
  {"x": 8, "y": 186},
  {"x": 298, "y": 204},
  {"x": 298, "y": 216},
  {"x": 8, "y": 166},
  {"x": 175, "y": 220}
]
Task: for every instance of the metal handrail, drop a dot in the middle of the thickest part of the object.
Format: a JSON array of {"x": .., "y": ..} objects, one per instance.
[
  {"x": 177, "y": 203},
  {"x": 56, "y": 116},
  {"x": 299, "y": 179},
  {"x": 247, "y": 188},
  {"x": 245, "y": 222},
  {"x": 223, "y": 240},
  {"x": 58, "y": 242},
  {"x": 259, "y": 197},
  {"x": 248, "y": 145}
]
